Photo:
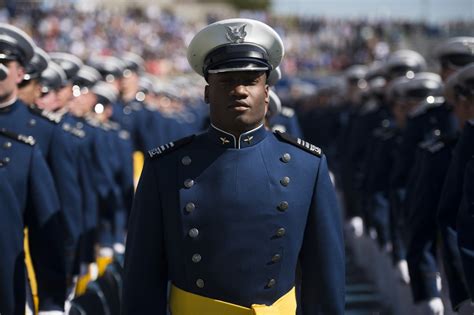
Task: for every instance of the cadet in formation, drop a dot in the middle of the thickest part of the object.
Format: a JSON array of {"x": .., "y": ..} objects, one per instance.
[{"x": 225, "y": 216}]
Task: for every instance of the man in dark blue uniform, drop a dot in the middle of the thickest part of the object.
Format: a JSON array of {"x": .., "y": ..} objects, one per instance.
[
  {"x": 462, "y": 174},
  {"x": 453, "y": 55},
  {"x": 227, "y": 215},
  {"x": 16, "y": 51},
  {"x": 31, "y": 181}
]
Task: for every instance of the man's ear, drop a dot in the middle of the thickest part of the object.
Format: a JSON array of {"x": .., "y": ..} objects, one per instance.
[
  {"x": 267, "y": 97},
  {"x": 206, "y": 94},
  {"x": 20, "y": 73}
]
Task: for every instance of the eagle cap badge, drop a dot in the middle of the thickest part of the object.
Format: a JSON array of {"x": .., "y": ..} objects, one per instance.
[{"x": 236, "y": 34}]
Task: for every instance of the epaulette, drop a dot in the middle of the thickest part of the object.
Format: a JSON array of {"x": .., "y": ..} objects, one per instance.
[
  {"x": 73, "y": 130},
  {"x": 436, "y": 146},
  {"x": 287, "y": 111},
  {"x": 426, "y": 144},
  {"x": 92, "y": 122},
  {"x": 169, "y": 147},
  {"x": 52, "y": 117},
  {"x": 384, "y": 133},
  {"x": 279, "y": 127},
  {"x": 308, "y": 147},
  {"x": 19, "y": 137},
  {"x": 369, "y": 107}
]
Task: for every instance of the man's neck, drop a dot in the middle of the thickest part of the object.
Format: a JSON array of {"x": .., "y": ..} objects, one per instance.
[
  {"x": 8, "y": 102},
  {"x": 236, "y": 132}
]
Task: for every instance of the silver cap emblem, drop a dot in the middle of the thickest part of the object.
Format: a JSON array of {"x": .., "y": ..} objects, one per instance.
[{"x": 236, "y": 34}]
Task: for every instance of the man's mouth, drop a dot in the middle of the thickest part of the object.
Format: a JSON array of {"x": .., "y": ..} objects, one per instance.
[{"x": 238, "y": 106}]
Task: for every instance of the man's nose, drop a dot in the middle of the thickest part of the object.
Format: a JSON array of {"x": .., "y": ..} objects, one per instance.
[{"x": 240, "y": 90}]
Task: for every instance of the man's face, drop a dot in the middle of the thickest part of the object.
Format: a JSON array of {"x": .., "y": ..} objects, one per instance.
[
  {"x": 8, "y": 87},
  {"x": 65, "y": 95},
  {"x": 238, "y": 100},
  {"x": 48, "y": 101}
]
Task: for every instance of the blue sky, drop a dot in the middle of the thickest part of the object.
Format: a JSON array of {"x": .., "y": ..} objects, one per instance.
[{"x": 429, "y": 10}]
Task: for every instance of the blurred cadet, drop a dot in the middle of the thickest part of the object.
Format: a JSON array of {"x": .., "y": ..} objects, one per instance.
[
  {"x": 451, "y": 201},
  {"x": 373, "y": 114},
  {"x": 285, "y": 119},
  {"x": 99, "y": 152},
  {"x": 30, "y": 179},
  {"x": 30, "y": 88},
  {"x": 454, "y": 54},
  {"x": 112, "y": 224},
  {"x": 12, "y": 267},
  {"x": 355, "y": 82},
  {"x": 70, "y": 64},
  {"x": 52, "y": 80},
  {"x": 277, "y": 197},
  {"x": 465, "y": 220},
  {"x": 16, "y": 50}
]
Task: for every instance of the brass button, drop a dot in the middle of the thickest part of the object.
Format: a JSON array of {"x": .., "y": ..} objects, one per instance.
[
  {"x": 271, "y": 283},
  {"x": 190, "y": 207},
  {"x": 32, "y": 122},
  {"x": 7, "y": 145},
  {"x": 200, "y": 283},
  {"x": 286, "y": 157},
  {"x": 196, "y": 258},
  {"x": 283, "y": 206},
  {"x": 276, "y": 258},
  {"x": 186, "y": 160},
  {"x": 285, "y": 181},
  {"x": 188, "y": 183},
  {"x": 193, "y": 233},
  {"x": 281, "y": 232}
]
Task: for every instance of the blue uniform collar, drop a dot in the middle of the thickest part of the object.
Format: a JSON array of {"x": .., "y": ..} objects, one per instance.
[{"x": 228, "y": 140}]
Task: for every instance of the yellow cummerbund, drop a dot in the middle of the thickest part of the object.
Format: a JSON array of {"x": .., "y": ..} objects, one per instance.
[{"x": 186, "y": 303}]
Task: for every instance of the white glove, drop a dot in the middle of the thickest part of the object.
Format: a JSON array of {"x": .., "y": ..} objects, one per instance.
[
  {"x": 436, "y": 307},
  {"x": 50, "y": 313},
  {"x": 402, "y": 267},
  {"x": 356, "y": 224},
  {"x": 119, "y": 248},
  {"x": 373, "y": 233}
]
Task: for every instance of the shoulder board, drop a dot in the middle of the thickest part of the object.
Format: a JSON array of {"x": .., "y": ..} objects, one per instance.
[
  {"x": 418, "y": 110},
  {"x": 73, "y": 130},
  {"x": 169, "y": 147},
  {"x": 287, "y": 111},
  {"x": 425, "y": 145},
  {"x": 112, "y": 125},
  {"x": 52, "y": 117},
  {"x": 19, "y": 137},
  {"x": 435, "y": 147},
  {"x": 308, "y": 147},
  {"x": 279, "y": 127},
  {"x": 384, "y": 133},
  {"x": 136, "y": 105}
]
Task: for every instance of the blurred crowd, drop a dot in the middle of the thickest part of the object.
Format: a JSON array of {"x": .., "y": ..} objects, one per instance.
[{"x": 313, "y": 45}]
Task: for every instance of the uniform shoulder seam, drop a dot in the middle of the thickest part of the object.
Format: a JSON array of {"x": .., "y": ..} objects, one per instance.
[
  {"x": 297, "y": 142},
  {"x": 169, "y": 147}
]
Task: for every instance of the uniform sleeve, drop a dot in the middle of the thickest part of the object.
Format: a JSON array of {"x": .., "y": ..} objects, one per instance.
[
  {"x": 422, "y": 226},
  {"x": 465, "y": 228},
  {"x": 322, "y": 253},
  {"x": 447, "y": 212},
  {"x": 46, "y": 235},
  {"x": 146, "y": 276},
  {"x": 65, "y": 171}
]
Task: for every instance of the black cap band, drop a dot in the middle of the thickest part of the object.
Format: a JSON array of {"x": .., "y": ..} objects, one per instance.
[{"x": 241, "y": 56}]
